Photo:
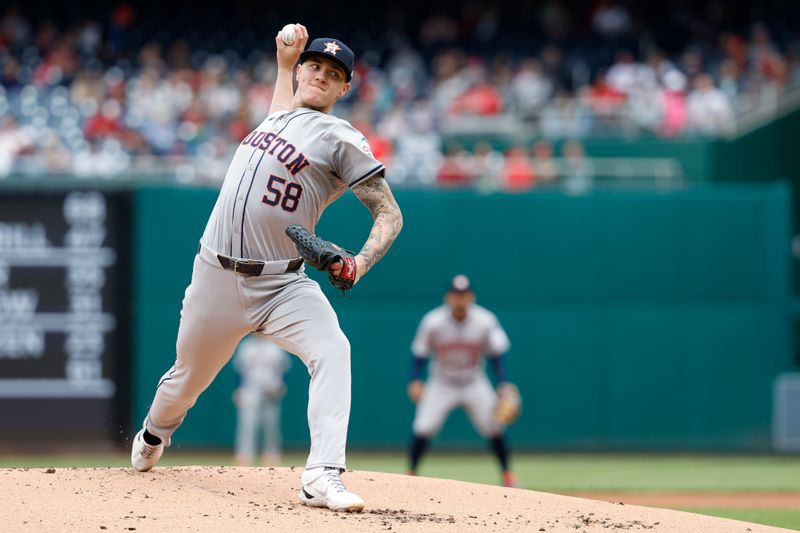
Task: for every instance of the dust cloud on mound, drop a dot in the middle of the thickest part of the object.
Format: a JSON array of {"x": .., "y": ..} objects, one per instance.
[{"x": 265, "y": 499}]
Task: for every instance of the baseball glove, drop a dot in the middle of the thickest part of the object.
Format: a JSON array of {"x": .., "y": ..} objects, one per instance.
[
  {"x": 322, "y": 254},
  {"x": 414, "y": 390},
  {"x": 509, "y": 403}
]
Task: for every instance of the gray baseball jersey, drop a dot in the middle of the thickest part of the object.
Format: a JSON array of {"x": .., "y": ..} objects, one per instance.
[
  {"x": 459, "y": 347},
  {"x": 457, "y": 377},
  {"x": 287, "y": 171}
]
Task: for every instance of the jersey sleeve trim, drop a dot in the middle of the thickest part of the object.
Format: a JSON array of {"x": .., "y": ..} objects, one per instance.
[{"x": 367, "y": 175}]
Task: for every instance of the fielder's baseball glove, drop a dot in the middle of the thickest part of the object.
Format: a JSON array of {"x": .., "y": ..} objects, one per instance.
[
  {"x": 509, "y": 403},
  {"x": 414, "y": 390},
  {"x": 322, "y": 254}
]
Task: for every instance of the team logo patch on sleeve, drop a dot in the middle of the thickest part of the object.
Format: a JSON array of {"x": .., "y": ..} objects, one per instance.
[{"x": 365, "y": 146}]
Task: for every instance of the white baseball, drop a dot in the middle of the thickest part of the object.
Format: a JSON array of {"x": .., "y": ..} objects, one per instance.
[{"x": 288, "y": 35}]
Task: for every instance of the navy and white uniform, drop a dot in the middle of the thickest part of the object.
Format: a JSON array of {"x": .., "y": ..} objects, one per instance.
[{"x": 457, "y": 377}]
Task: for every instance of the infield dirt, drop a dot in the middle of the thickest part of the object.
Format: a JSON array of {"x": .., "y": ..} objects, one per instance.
[{"x": 265, "y": 499}]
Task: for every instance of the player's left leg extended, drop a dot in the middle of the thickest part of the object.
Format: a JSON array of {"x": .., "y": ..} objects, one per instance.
[
  {"x": 212, "y": 323},
  {"x": 479, "y": 401}
]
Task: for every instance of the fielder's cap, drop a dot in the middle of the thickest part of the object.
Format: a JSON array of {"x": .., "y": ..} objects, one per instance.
[
  {"x": 332, "y": 49},
  {"x": 460, "y": 283}
]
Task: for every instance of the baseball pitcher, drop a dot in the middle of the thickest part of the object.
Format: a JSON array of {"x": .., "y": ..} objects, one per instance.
[
  {"x": 458, "y": 334},
  {"x": 249, "y": 276}
]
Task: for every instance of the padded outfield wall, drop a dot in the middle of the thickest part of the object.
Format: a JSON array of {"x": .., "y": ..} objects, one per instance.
[{"x": 638, "y": 319}]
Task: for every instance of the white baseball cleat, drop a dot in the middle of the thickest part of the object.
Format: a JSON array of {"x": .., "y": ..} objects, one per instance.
[
  {"x": 144, "y": 456},
  {"x": 323, "y": 487}
]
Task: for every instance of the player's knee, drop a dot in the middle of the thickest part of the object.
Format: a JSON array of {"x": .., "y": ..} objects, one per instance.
[
  {"x": 336, "y": 346},
  {"x": 490, "y": 429},
  {"x": 333, "y": 348},
  {"x": 423, "y": 430}
]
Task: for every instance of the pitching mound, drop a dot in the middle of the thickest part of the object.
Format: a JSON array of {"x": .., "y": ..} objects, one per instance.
[{"x": 265, "y": 499}]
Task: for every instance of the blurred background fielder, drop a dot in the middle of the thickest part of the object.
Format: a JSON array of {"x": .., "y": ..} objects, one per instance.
[
  {"x": 261, "y": 366},
  {"x": 458, "y": 334}
]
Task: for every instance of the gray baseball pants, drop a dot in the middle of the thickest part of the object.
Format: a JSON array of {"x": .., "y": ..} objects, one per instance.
[
  {"x": 220, "y": 307},
  {"x": 440, "y": 397}
]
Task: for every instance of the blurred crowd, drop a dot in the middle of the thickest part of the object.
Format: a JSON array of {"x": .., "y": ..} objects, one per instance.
[{"x": 107, "y": 93}]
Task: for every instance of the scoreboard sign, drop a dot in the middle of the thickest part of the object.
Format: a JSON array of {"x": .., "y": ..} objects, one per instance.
[{"x": 62, "y": 316}]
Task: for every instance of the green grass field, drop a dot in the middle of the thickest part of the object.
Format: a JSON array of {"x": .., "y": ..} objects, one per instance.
[
  {"x": 788, "y": 518},
  {"x": 550, "y": 472}
]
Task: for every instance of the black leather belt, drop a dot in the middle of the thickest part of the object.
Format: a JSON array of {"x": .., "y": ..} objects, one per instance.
[{"x": 248, "y": 267}]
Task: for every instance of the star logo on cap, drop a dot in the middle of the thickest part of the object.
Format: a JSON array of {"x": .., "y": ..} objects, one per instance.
[
  {"x": 461, "y": 282},
  {"x": 331, "y": 48}
]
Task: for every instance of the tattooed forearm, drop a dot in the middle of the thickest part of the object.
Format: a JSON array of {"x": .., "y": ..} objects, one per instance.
[{"x": 376, "y": 195}]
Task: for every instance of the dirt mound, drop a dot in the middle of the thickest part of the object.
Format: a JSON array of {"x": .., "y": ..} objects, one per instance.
[
  {"x": 265, "y": 499},
  {"x": 742, "y": 500}
]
